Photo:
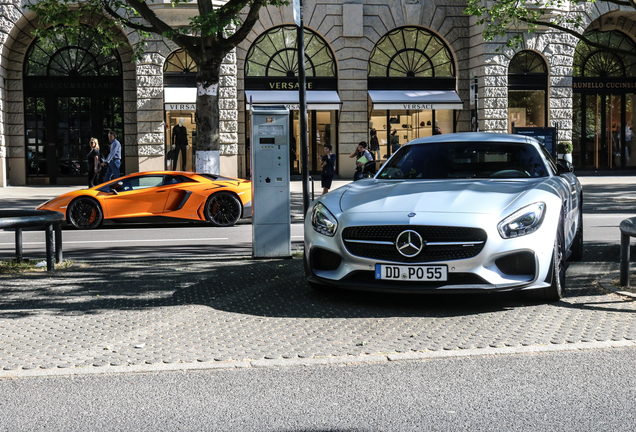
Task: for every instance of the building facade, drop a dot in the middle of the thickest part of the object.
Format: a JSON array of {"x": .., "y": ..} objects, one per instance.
[{"x": 383, "y": 72}]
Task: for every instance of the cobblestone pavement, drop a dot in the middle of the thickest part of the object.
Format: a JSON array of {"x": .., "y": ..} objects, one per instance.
[{"x": 219, "y": 309}]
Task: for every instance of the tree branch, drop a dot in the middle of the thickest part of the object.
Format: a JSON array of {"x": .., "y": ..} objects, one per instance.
[
  {"x": 578, "y": 36},
  {"x": 156, "y": 24},
  {"x": 244, "y": 30}
]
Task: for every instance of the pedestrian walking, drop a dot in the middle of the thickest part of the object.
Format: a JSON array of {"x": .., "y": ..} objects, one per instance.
[
  {"x": 363, "y": 157},
  {"x": 114, "y": 158},
  {"x": 328, "y": 169},
  {"x": 94, "y": 167}
]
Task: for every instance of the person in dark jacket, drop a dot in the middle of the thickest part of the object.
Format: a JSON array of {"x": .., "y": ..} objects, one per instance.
[
  {"x": 94, "y": 167},
  {"x": 328, "y": 169}
]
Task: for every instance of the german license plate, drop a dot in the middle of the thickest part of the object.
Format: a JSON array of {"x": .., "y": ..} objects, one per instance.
[{"x": 411, "y": 273}]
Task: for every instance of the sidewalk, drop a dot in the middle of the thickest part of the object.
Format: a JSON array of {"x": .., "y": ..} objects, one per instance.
[{"x": 233, "y": 311}]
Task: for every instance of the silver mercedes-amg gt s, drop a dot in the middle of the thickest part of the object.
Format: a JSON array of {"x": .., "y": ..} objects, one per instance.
[{"x": 456, "y": 212}]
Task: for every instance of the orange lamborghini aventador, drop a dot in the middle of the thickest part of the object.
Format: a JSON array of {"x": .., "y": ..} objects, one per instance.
[{"x": 221, "y": 201}]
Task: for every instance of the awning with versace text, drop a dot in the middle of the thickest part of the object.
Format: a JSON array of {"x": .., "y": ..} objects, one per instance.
[
  {"x": 415, "y": 99},
  {"x": 324, "y": 100}
]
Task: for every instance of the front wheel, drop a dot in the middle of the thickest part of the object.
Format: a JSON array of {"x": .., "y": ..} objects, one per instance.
[
  {"x": 577, "y": 243},
  {"x": 223, "y": 209},
  {"x": 556, "y": 289},
  {"x": 84, "y": 213}
]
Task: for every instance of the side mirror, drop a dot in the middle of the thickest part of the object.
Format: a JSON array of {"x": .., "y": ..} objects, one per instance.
[
  {"x": 115, "y": 186},
  {"x": 564, "y": 166}
]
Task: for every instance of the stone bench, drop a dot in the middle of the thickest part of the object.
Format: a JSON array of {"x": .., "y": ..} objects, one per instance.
[
  {"x": 628, "y": 229},
  {"x": 48, "y": 220}
]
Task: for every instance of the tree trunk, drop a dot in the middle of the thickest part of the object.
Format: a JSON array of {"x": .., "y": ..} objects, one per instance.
[{"x": 207, "y": 117}]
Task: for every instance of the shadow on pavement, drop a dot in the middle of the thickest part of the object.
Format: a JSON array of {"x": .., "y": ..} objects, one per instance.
[{"x": 271, "y": 288}]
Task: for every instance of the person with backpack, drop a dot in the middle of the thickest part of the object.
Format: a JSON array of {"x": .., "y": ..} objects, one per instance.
[{"x": 363, "y": 157}]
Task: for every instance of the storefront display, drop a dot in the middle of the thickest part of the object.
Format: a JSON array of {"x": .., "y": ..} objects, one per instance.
[
  {"x": 271, "y": 79},
  {"x": 603, "y": 104}
]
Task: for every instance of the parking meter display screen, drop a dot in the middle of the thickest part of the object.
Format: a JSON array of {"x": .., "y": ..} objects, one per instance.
[{"x": 271, "y": 130}]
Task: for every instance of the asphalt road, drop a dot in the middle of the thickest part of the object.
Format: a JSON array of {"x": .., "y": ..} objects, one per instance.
[
  {"x": 607, "y": 201},
  {"x": 592, "y": 390}
]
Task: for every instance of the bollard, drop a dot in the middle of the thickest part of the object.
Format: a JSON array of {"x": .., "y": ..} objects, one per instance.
[
  {"x": 628, "y": 229},
  {"x": 58, "y": 243},
  {"x": 18, "y": 245},
  {"x": 624, "y": 281},
  {"x": 50, "y": 264}
]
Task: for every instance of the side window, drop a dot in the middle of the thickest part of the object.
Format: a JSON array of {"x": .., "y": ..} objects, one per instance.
[
  {"x": 143, "y": 182},
  {"x": 175, "y": 179},
  {"x": 551, "y": 164}
]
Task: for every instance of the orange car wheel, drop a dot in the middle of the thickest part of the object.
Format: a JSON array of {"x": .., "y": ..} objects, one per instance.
[
  {"x": 84, "y": 213},
  {"x": 223, "y": 209}
]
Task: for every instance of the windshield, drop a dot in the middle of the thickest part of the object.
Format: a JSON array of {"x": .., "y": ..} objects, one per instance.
[{"x": 465, "y": 160}]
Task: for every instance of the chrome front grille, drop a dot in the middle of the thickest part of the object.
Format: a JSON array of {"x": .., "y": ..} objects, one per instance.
[{"x": 443, "y": 243}]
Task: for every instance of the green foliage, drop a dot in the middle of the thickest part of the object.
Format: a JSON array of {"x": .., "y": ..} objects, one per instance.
[
  {"x": 508, "y": 20},
  {"x": 564, "y": 147},
  {"x": 61, "y": 16}
]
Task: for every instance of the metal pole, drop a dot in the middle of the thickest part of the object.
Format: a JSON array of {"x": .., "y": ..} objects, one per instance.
[
  {"x": 476, "y": 104},
  {"x": 303, "y": 111},
  {"x": 624, "y": 266},
  {"x": 50, "y": 264},
  {"x": 18, "y": 245},
  {"x": 58, "y": 243}
]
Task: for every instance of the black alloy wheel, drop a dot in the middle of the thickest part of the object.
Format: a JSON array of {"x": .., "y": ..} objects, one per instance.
[
  {"x": 556, "y": 290},
  {"x": 577, "y": 243},
  {"x": 84, "y": 213},
  {"x": 223, "y": 209}
]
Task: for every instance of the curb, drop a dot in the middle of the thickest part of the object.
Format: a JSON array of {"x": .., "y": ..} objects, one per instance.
[{"x": 319, "y": 361}]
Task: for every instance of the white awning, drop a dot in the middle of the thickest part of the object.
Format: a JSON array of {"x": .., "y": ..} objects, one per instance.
[
  {"x": 179, "y": 95},
  {"x": 415, "y": 99},
  {"x": 316, "y": 100}
]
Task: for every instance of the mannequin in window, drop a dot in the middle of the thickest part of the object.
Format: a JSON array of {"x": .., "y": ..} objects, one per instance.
[{"x": 180, "y": 144}]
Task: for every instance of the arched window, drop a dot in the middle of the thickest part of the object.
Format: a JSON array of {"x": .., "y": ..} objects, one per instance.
[
  {"x": 73, "y": 90},
  {"x": 597, "y": 63},
  {"x": 527, "y": 63},
  {"x": 179, "y": 61},
  {"x": 274, "y": 54},
  {"x": 527, "y": 90},
  {"x": 408, "y": 52},
  {"x": 79, "y": 56}
]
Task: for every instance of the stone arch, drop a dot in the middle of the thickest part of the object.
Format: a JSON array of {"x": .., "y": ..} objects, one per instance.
[{"x": 17, "y": 42}]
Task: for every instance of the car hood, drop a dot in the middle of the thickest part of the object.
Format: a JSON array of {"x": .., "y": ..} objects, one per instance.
[{"x": 449, "y": 196}]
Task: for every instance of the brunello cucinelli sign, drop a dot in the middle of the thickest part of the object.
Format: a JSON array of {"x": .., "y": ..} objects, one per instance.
[
  {"x": 43, "y": 85},
  {"x": 603, "y": 85}
]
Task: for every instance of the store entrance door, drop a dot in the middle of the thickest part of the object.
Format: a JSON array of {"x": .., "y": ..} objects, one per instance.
[
  {"x": 58, "y": 131},
  {"x": 321, "y": 130},
  {"x": 600, "y": 139}
]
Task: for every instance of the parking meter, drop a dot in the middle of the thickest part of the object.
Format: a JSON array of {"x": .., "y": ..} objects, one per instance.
[{"x": 271, "y": 204}]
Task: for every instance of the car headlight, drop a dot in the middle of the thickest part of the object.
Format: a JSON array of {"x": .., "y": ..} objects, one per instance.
[
  {"x": 524, "y": 221},
  {"x": 323, "y": 221}
]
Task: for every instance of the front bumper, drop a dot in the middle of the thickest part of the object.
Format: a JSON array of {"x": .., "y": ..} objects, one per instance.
[{"x": 492, "y": 269}]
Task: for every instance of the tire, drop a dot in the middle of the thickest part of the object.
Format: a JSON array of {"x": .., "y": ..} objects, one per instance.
[
  {"x": 577, "y": 243},
  {"x": 223, "y": 209},
  {"x": 84, "y": 213},
  {"x": 556, "y": 290}
]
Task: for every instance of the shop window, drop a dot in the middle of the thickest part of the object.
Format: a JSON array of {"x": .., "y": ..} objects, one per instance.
[{"x": 527, "y": 91}]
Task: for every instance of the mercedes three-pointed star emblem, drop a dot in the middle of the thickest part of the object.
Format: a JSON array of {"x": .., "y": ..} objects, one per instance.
[{"x": 409, "y": 243}]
